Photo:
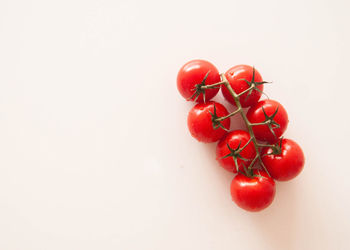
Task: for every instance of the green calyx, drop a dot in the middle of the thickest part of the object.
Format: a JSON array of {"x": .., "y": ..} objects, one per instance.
[
  {"x": 253, "y": 85},
  {"x": 198, "y": 89},
  {"x": 236, "y": 154},
  {"x": 270, "y": 122},
  {"x": 277, "y": 148},
  {"x": 215, "y": 120}
]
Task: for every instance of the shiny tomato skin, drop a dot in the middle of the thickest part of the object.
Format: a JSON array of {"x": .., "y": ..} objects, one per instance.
[
  {"x": 286, "y": 165},
  {"x": 192, "y": 73},
  {"x": 253, "y": 194},
  {"x": 233, "y": 139},
  {"x": 234, "y": 76},
  {"x": 200, "y": 124},
  {"x": 256, "y": 115}
]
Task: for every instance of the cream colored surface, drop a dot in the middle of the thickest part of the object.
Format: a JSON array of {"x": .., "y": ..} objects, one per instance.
[{"x": 94, "y": 148}]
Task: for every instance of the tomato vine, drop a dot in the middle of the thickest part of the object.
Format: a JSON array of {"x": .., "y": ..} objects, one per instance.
[
  {"x": 259, "y": 155},
  {"x": 269, "y": 120}
]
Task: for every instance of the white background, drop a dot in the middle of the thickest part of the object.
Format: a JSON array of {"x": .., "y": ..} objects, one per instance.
[{"x": 94, "y": 147}]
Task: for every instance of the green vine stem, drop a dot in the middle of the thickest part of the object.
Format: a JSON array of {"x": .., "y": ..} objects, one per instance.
[{"x": 245, "y": 119}]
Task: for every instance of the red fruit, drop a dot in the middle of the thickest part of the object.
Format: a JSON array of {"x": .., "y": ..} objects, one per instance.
[
  {"x": 236, "y": 139},
  {"x": 287, "y": 164},
  {"x": 235, "y": 76},
  {"x": 200, "y": 124},
  {"x": 253, "y": 194},
  {"x": 258, "y": 114},
  {"x": 197, "y": 72}
]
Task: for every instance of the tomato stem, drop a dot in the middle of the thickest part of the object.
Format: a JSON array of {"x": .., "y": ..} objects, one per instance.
[
  {"x": 266, "y": 145},
  {"x": 268, "y": 121},
  {"x": 212, "y": 86},
  {"x": 259, "y": 123},
  {"x": 227, "y": 116},
  {"x": 248, "y": 124},
  {"x": 247, "y": 90}
]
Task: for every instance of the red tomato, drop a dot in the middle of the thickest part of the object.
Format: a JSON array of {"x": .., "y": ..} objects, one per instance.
[
  {"x": 197, "y": 72},
  {"x": 253, "y": 194},
  {"x": 280, "y": 120},
  {"x": 287, "y": 164},
  {"x": 234, "y": 76},
  {"x": 235, "y": 139},
  {"x": 200, "y": 124}
]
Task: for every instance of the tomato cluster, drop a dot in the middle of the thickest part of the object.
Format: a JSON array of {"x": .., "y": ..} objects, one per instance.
[{"x": 259, "y": 155}]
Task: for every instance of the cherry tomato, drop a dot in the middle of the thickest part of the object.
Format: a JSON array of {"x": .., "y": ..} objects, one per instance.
[
  {"x": 287, "y": 164},
  {"x": 200, "y": 124},
  {"x": 235, "y": 76},
  {"x": 253, "y": 194},
  {"x": 260, "y": 113},
  {"x": 197, "y": 72},
  {"x": 236, "y": 139}
]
